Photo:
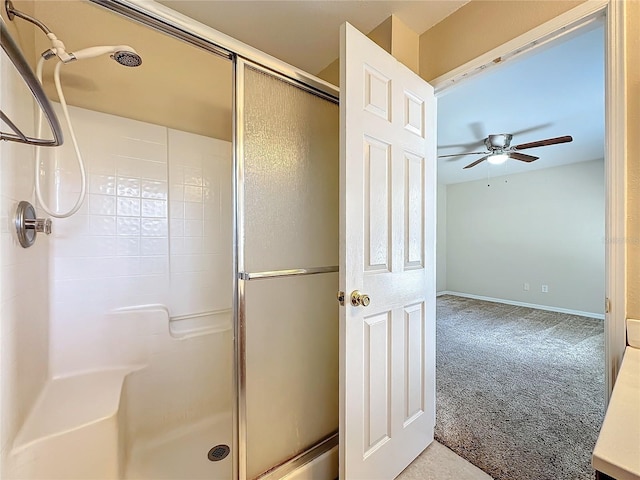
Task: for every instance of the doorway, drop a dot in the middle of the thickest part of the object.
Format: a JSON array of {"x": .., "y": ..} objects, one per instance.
[{"x": 492, "y": 180}]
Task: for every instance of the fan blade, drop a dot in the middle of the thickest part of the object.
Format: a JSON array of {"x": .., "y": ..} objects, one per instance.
[
  {"x": 523, "y": 157},
  {"x": 476, "y": 162},
  {"x": 466, "y": 146},
  {"x": 543, "y": 143},
  {"x": 478, "y": 131},
  {"x": 517, "y": 133},
  {"x": 463, "y": 154}
]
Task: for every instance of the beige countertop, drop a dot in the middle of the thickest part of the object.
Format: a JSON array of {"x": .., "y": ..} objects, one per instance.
[{"x": 617, "y": 451}]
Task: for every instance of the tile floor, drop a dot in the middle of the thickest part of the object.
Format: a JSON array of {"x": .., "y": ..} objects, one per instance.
[{"x": 437, "y": 462}]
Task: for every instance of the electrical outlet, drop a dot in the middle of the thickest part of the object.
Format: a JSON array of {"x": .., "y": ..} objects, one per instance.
[
  {"x": 525, "y": 287},
  {"x": 545, "y": 288}
]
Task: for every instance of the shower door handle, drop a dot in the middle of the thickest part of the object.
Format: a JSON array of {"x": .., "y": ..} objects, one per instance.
[{"x": 358, "y": 299}]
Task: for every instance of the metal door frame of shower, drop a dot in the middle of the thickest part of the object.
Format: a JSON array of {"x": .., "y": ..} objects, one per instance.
[{"x": 180, "y": 26}]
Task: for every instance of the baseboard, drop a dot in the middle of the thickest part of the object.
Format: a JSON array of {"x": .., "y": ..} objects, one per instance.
[{"x": 599, "y": 316}]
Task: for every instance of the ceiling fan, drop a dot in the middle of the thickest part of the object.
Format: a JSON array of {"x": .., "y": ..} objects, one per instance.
[{"x": 499, "y": 149}]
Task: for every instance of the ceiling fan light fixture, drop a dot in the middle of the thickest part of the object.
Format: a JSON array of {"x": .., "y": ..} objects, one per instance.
[{"x": 498, "y": 158}]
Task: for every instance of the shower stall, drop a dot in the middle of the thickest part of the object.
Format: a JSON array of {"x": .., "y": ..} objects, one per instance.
[{"x": 185, "y": 322}]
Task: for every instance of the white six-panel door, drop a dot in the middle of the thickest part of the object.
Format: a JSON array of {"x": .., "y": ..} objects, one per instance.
[{"x": 387, "y": 241}]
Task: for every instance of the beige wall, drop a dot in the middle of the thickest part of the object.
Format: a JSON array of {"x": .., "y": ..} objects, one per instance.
[
  {"x": 544, "y": 227},
  {"x": 459, "y": 38},
  {"x": 382, "y": 34},
  {"x": 405, "y": 44},
  {"x": 480, "y": 26},
  {"x": 394, "y": 37},
  {"x": 178, "y": 85},
  {"x": 466, "y": 34},
  {"x": 331, "y": 73},
  {"x": 633, "y": 157}
]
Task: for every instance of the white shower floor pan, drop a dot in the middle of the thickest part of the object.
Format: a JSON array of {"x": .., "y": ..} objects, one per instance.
[
  {"x": 64, "y": 439},
  {"x": 182, "y": 453},
  {"x": 67, "y": 439}
]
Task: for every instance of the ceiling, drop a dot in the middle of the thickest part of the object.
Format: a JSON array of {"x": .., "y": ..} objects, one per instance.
[
  {"x": 306, "y": 33},
  {"x": 553, "y": 91},
  {"x": 302, "y": 33}
]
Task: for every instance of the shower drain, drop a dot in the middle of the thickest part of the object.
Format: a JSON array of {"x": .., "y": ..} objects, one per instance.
[{"x": 218, "y": 453}]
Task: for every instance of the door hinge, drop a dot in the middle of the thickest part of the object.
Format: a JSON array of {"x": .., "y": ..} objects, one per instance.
[{"x": 607, "y": 305}]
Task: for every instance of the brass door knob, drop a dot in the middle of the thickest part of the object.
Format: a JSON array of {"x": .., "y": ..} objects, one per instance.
[{"x": 358, "y": 299}]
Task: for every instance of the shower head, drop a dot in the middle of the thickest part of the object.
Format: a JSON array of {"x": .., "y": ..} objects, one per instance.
[
  {"x": 128, "y": 58},
  {"x": 123, "y": 54}
]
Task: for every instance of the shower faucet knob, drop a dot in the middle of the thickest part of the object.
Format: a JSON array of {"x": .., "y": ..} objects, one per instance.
[
  {"x": 28, "y": 225},
  {"x": 40, "y": 225}
]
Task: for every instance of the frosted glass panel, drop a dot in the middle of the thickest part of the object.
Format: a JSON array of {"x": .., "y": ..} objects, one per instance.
[
  {"x": 290, "y": 217},
  {"x": 290, "y": 176},
  {"x": 292, "y": 366}
]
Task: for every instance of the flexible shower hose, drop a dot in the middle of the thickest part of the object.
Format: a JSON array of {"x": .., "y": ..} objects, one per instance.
[{"x": 83, "y": 175}]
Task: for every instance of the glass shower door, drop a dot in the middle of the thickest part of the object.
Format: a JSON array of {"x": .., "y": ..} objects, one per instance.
[{"x": 288, "y": 197}]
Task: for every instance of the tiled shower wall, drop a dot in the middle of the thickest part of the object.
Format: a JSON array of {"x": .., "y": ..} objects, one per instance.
[
  {"x": 199, "y": 224},
  {"x": 24, "y": 276},
  {"x": 155, "y": 228}
]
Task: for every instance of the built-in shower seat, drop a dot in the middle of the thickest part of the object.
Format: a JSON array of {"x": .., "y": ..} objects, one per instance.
[{"x": 78, "y": 414}]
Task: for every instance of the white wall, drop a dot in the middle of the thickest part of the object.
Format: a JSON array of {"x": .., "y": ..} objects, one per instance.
[
  {"x": 24, "y": 275},
  {"x": 543, "y": 227},
  {"x": 155, "y": 228},
  {"x": 140, "y": 277},
  {"x": 441, "y": 239},
  {"x": 200, "y": 223}
]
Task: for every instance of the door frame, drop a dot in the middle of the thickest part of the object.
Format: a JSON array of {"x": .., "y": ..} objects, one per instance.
[{"x": 615, "y": 141}]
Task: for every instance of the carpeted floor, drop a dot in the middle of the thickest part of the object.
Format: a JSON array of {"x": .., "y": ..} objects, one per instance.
[{"x": 520, "y": 392}]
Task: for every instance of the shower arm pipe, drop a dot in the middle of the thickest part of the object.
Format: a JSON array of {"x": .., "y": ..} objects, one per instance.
[
  {"x": 12, "y": 12},
  {"x": 15, "y": 55},
  {"x": 57, "y": 47}
]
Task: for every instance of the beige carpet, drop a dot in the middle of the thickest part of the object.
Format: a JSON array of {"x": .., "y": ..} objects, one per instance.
[{"x": 520, "y": 392}]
